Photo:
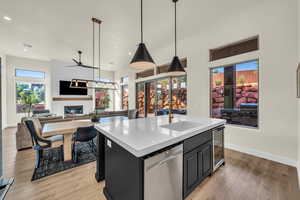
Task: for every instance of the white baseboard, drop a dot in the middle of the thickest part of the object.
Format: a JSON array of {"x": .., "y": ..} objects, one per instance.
[
  {"x": 264, "y": 155},
  {"x": 298, "y": 170},
  {"x": 12, "y": 126}
]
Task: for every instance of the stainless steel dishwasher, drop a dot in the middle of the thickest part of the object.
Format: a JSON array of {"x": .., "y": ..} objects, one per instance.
[{"x": 163, "y": 174}]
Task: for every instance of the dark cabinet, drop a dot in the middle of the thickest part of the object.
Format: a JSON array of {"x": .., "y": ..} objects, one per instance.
[
  {"x": 197, "y": 166},
  {"x": 206, "y": 153},
  {"x": 100, "y": 163},
  {"x": 190, "y": 174},
  {"x": 200, "y": 164}
]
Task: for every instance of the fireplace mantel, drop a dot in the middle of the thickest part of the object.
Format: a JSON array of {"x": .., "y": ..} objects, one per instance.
[{"x": 72, "y": 98}]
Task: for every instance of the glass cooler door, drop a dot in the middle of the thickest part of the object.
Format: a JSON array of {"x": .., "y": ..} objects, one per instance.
[{"x": 218, "y": 147}]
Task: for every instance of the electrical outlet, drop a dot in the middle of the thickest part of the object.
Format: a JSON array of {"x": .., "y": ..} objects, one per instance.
[{"x": 108, "y": 143}]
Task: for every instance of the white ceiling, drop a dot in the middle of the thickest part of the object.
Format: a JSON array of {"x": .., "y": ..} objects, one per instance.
[{"x": 58, "y": 28}]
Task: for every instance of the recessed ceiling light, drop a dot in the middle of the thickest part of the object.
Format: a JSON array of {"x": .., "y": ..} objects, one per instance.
[
  {"x": 7, "y": 18},
  {"x": 27, "y": 47}
]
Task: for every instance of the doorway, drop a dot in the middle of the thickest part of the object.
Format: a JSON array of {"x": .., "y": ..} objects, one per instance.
[{"x": 153, "y": 97}]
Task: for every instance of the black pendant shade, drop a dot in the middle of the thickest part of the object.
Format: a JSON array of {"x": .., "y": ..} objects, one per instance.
[
  {"x": 176, "y": 68},
  {"x": 142, "y": 59}
]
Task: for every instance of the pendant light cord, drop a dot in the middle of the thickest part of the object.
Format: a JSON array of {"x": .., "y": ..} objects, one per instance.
[
  {"x": 175, "y": 28},
  {"x": 99, "y": 55},
  {"x": 93, "y": 50},
  {"x": 142, "y": 33}
]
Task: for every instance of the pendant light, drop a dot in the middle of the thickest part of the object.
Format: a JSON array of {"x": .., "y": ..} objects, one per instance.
[
  {"x": 95, "y": 83},
  {"x": 142, "y": 59},
  {"x": 176, "y": 68}
]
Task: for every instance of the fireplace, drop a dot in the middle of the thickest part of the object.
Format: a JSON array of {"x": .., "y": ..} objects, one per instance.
[{"x": 73, "y": 110}]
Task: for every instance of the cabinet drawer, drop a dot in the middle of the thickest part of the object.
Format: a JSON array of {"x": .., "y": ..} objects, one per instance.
[{"x": 196, "y": 141}]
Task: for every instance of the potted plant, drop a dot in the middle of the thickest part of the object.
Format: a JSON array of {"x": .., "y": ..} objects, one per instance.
[
  {"x": 218, "y": 83},
  {"x": 104, "y": 104},
  {"x": 242, "y": 80},
  {"x": 29, "y": 99},
  {"x": 101, "y": 105}
]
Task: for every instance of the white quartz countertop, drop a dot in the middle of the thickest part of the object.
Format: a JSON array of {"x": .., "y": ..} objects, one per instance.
[{"x": 145, "y": 135}]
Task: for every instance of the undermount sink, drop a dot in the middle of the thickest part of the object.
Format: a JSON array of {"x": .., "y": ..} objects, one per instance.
[{"x": 181, "y": 126}]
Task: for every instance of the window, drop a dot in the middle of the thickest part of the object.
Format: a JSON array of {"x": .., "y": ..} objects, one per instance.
[
  {"x": 153, "y": 97},
  {"x": 124, "y": 80},
  {"x": 235, "y": 93},
  {"x": 124, "y": 97},
  {"x": 29, "y": 96},
  {"x": 150, "y": 98},
  {"x": 140, "y": 99},
  {"x": 103, "y": 98},
  {"x": 21, "y": 73},
  {"x": 124, "y": 92},
  {"x": 179, "y": 92},
  {"x": 163, "y": 90}
]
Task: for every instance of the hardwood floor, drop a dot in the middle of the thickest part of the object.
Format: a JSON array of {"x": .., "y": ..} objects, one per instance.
[
  {"x": 244, "y": 177},
  {"x": 75, "y": 184}
]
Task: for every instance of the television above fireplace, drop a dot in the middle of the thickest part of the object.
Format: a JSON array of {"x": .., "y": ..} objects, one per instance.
[{"x": 64, "y": 89}]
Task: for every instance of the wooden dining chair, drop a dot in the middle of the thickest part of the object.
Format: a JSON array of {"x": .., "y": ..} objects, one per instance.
[
  {"x": 39, "y": 144},
  {"x": 56, "y": 140}
]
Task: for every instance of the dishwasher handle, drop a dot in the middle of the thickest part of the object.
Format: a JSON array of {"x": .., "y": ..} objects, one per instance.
[
  {"x": 178, "y": 152},
  {"x": 157, "y": 164}
]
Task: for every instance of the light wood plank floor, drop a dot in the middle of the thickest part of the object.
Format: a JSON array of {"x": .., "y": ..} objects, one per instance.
[{"x": 244, "y": 177}]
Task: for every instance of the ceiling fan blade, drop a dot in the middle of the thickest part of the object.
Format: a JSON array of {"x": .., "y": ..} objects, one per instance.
[
  {"x": 89, "y": 67},
  {"x": 75, "y": 61},
  {"x": 72, "y": 66}
]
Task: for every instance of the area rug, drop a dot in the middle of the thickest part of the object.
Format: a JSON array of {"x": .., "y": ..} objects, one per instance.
[{"x": 51, "y": 163}]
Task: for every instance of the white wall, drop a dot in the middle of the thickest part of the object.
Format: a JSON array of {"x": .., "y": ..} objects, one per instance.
[
  {"x": 131, "y": 88},
  {"x": 12, "y": 63},
  {"x": 59, "y": 71},
  {"x": 298, "y": 166},
  {"x": 3, "y": 90},
  {"x": 298, "y": 32},
  {"x": 275, "y": 21}
]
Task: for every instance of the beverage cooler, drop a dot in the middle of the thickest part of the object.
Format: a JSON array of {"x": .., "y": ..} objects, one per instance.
[{"x": 218, "y": 147}]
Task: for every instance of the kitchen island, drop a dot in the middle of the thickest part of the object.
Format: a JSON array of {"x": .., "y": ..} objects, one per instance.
[{"x": 148, "y": 158}]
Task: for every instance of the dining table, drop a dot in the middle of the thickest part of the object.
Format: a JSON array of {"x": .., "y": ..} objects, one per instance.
[{"x": 67, "y": 129}]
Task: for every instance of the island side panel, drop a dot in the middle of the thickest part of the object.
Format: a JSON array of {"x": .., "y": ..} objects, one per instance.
[
  {"x": 100, "y": 164},
  {"x": 123, "y": 173}
]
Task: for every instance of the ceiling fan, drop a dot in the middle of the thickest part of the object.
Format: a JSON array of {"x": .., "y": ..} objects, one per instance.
[{"x": 79, "y": 63}]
